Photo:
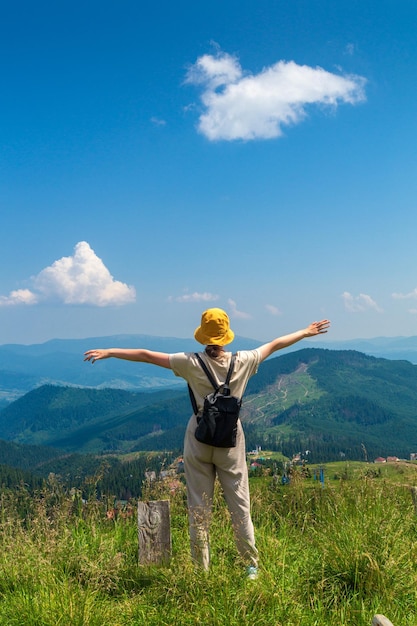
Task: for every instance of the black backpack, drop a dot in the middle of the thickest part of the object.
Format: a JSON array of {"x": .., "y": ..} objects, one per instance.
[{"x": 218, "y": 424}]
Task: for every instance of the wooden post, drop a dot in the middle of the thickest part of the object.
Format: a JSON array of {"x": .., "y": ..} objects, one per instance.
[
  {"x": 154, "y": 528},
  {"x": 381, "y": 620}
]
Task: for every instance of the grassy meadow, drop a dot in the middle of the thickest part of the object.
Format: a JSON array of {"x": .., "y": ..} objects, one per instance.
[{"x": 332, "y": 554}]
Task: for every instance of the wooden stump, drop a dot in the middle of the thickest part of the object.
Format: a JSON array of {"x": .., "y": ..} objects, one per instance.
[
  {"x": 154, "y": 529},
  {"x": 381, "y": 620}
]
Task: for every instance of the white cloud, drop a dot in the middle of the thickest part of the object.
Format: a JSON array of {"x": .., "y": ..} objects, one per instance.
[
  {"x": 214, "y": 71},
  {"x": 83, "y": 279},
  {"x": 240, "y": 105},
  {"x": 234, "y": 312},
  {"x": 273, "y": 310},
  {"x": 195, "y": 297},
  {"x": 157, "y": 121},
  {"x": 360, "y": 303},
  {"x": 20, "y": 296},
  {"x": 79, "y": 279},
  {"x": 350, "y": 49},
  {"x": 411, "y": 295},
  {"x": 405, "y": 296}
]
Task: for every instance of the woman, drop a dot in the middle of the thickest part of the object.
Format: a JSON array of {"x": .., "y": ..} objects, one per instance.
[{"x": 202, "y": 462}]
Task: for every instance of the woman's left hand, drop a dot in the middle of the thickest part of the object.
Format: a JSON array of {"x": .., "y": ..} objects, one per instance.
[{"x": 318, "y": 328}]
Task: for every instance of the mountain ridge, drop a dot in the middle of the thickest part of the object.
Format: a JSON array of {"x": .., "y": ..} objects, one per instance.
[
  {"x": 327, "y": 401},
  {"x": 60, "y": 361}
]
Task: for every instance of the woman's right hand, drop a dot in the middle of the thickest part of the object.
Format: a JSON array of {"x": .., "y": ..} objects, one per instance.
[{"x": 317, "y": 328}]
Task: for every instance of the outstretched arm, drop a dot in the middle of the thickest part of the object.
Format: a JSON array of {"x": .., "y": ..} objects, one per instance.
[
  {"x": 140, "y": 355},
  {"x": 316, "y": 328}
]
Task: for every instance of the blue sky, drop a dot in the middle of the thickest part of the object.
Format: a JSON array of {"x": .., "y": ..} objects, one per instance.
[{"x": 161, "y": 158}]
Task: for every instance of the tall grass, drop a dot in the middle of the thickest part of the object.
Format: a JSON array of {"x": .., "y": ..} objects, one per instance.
[{"x": 330, "y": 555}]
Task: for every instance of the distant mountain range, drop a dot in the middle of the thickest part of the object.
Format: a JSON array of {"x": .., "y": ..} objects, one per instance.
[
  {"x": 394, "y": 348},
  {"x": 60, "y": 361},
  {"x": 332, "y": 403}
]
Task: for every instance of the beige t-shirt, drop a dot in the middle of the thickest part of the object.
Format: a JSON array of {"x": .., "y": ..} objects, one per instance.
[{"x": 186, "y": 365}]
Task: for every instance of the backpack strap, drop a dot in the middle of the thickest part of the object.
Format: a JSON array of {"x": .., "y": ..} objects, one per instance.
[
  {"x": 207, "y": 372},
  {"x": 193, "y": 400},
  {"x": 212, "y": 381},
  {"x": 230, "y": 372},
  {"x": 210, "y": 376}
]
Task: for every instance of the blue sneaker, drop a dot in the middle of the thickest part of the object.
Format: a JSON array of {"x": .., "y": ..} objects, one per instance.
[{"x": 252, "y": 572}]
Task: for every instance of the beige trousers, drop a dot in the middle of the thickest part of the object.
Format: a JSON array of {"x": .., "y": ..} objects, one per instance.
[{"x": 202, "y": 463}]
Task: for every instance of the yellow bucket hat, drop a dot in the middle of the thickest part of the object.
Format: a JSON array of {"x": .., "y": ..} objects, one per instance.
[{"x": 214, "y": 329}]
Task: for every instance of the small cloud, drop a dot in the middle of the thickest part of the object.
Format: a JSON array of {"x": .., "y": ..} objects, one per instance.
[
  {"x": 158, "y": 122},
  {"x": 195, "y": 297},
  {"x": 360, "y": 303},
  {"x": 411, "y": 295},
  {"x": 405, "y": 296},
  {"x": 273, "y": 310},
  {"x": 18, "y": 297},
  {"x": 350, "y": 49},
  {"x": 235, "y": 312},
  {"x": 240, "y": 105},
  {"x": 79, "y": 279}
]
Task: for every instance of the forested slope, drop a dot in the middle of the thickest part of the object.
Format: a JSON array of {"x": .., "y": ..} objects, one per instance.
[{"x": 334, "y": 403}]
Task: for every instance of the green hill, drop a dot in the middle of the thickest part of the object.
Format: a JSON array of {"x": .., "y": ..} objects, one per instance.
[
  {"x": 334, "y": 403},
  {"x": 82, "y": 419},
  {"x": 26, "y": 468},
  {"x": 26, "y": 457}
]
